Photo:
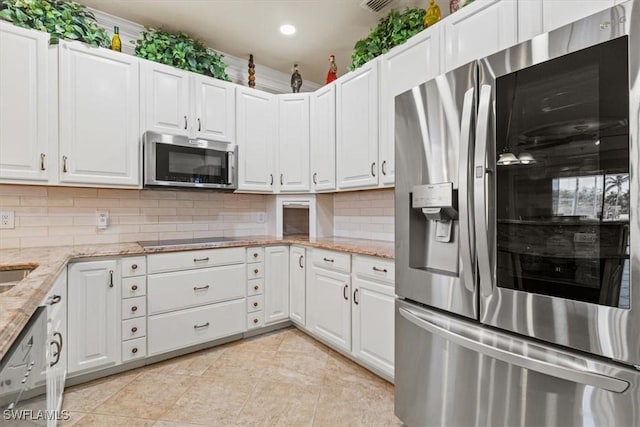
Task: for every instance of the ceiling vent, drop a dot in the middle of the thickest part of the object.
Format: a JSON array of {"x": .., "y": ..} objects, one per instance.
[{"x": 377, "y": 6}]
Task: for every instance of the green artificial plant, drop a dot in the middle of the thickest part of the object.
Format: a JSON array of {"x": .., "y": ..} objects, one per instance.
[
  {"x": 62, "y": 19},
  {"x": 181, "y": 51},
  {"x": 392, "y": 30}
]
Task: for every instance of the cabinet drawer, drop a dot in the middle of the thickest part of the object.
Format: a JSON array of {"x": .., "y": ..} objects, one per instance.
[
  {"x": 255, "y": 254},
  {"x": 254, "y": 271},
  {"x": 254, "y": 287},
  {"x": 337, "y": 261},
  {"x": 134, "y": 266},
  {"x": 134, "y": 328},
  {"x": 183, "y": 289},
  {"x": 158, "y": 263},
  {"x": 375, "y": 268},
  {"x": 255, "y": 320},
  {"x": 179, "y": 329},
  {"x": 134, "y": 349},
  {"x": 134, "y": 287},
  {"x": 134, "y": 307},
  {"x": 255, "y": 303}
]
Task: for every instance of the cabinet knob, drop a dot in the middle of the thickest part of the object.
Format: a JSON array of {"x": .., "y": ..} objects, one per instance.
[
  {"x": 255, "y": 254},
  {"x": 134, "y": 308},
  {"x": 134, "y": 350},
  {"x": 134, "y": 329},
  {"x": 255, "y": 304},
  {"x": 255, "y": 320},
  {"x": 134, "y": 287},
  {"x": 256, "y": 287},
  {"x": 134, "y": 266},
  {"x": 256, "y": 271}
]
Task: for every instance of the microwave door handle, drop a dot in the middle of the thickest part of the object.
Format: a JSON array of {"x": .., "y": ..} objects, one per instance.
[
  {"x": 519, "y": 354},
  {"x": 480, "y": 172},
  {"x": 230, "y": 168},
  {"x": 465, "y": 214}
]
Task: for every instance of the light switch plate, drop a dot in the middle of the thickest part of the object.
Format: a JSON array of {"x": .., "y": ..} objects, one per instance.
[
  {"x": 102, "y": 219},
  {"x": 7, "y": 219},
  {"x": 261, "y": 217}
]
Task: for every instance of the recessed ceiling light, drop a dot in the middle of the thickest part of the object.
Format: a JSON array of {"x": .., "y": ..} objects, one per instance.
[{"x": 287, "y": 29}]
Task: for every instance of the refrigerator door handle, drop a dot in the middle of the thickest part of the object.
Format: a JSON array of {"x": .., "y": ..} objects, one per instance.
[
  {"x": 548, "y": 367},
  {"x": 480, "y": 193},
  {"x": 465, "y": 214}
]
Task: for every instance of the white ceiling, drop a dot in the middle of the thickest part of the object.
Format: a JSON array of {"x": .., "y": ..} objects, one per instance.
[{"x": 241, "y": 27}]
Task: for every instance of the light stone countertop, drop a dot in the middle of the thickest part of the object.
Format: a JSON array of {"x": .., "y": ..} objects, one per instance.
[{"x": 20, "y": 302}]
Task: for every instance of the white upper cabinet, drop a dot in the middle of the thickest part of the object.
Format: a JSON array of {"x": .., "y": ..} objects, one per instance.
[
  {"x": 214, "y": 114},
  {"x": 478, "y": 30},
  {"x": 357, "y": 127},
  {"x": 403, "y": 68},
  {"x": 24, "y": 153},
  {"x": 323, "y": 138},
  {"x": 165, "y": 99},
  {"x": 99, "y": 116},
  {"x": 293, "y": 142},
  {"x": 256, "y": 118}
]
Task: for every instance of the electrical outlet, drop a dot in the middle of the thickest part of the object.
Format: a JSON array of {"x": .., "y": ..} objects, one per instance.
[
  {"x": 7, "y": 219},
  {"x": 102, "y": 219},
  {"x": 261, "y": 217}
]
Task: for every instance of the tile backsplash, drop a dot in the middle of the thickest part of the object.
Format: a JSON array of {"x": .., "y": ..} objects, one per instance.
[
  {"x": 57, "y": 216},
  {"x": 364, "y": 214}
]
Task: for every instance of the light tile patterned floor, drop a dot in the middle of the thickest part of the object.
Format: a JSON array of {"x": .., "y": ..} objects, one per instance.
[{"x": 283, "y": 378}]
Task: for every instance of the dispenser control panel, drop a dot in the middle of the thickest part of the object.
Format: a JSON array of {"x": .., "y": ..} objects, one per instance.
[{"x": 433, "y": 195}]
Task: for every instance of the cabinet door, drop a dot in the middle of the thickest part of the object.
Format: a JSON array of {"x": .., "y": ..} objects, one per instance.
[
  {"x": 165, "y": 99},
  {"x": 329, "y": 307},
  {"x": 214, "y": 102},
  {"x": 23, "y": 104},
  {"x": 99, "y": 116},
  {"x": 403, "y": 68},
  {"x": 479, "y": 29},
  {"x": 256, "y": 115},
  {"x": 94, "y": 316},
  {"x": 357, "y": 127},
  {"x": 323, "y": 138},
  {"x": 297, "y": 285},
  {"x": 276, "y": 284},
  {"x": 293, "y": 142},
  {"x": 373, "y": 319},
  {"x": 556, "y": 13},
  {"x": 56, "y": 370}
]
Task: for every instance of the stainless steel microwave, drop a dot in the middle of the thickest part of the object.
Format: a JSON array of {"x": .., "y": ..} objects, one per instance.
[{"x": 178, "y": 161}]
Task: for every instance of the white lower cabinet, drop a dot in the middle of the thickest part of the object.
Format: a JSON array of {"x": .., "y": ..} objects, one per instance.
[
  {"x": 297, "y": 285},
  {"x": 93, "y": 315},
  {"x": 276, "y": 284},
  {"x": 182, "y": 328},
  {"x": 329, "y": 306}
]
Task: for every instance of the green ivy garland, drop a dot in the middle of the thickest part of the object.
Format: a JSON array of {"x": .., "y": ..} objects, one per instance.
[
  {"x": 181, "y": 51},
  {"x": 62, "y": 19}
]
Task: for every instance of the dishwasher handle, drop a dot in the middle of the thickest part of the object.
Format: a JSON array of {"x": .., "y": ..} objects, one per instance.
[{"x": 538, "y": 364}]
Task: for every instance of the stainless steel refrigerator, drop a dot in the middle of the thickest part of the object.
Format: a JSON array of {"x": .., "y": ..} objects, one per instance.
[{"x": 517, "y": 234}]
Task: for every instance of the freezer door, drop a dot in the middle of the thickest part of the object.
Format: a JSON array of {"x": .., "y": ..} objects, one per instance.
[
  {"x": 453, "y": 372},
  {"x": 434, "y": 226},
  {"x": 556, "y": 186}
]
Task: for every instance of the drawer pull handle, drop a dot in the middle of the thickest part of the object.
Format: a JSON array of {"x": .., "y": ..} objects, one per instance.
[
  {"x": 256, "y": 271},
  {"x": 255, "y": 304},
  {"x": 201, "y": 326},
  {"x": 42, "y": 166},
  {"x": 200, "y": 288},
  {"x": 345, "y": 292},
  {"x": 134, "y": 266},
  {"x": 200, "y": 259},
  {"x": 255, "y": 254},
  {"x": 380, "y": 270},
  {"x": 134, "y": 308},
  {"x": 55, "y": 299},
  {"x": 134, "y": 350},
  {"x": 134, "y": 329},
  {"x": 328, "y": 260},
  {"x": 255, "y": 320},
  {"x": 134, "y": 287},
  {"x": 111, "y": 278},
  {"x": 256, "y": 287}
]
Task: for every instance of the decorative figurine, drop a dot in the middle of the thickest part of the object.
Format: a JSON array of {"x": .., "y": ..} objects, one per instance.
[
  {"x": 433, "y": 14},
  {"x": 333, "y": 69},
  {"x": 454, "y": 5},
  {"x": 252, "y": 72},
  {"x": 296, "y": 79}
]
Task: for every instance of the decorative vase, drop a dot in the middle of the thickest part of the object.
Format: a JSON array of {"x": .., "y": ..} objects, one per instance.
[
  {"x": 432, "y": 15},
  {"x": 454, "y": 5}
]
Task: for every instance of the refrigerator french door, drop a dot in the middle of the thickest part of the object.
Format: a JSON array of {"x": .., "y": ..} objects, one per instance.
[{"x": 555, "y": 194}]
